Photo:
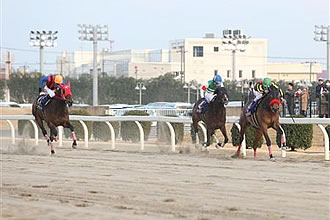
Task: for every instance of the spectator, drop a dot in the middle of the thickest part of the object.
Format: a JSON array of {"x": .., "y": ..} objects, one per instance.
[
  {"x": 318, "y": 93},
  {"x": 289, "y": 97},
  {"x": 304, "y": 97},
  {"x": 324, "y": 111}
]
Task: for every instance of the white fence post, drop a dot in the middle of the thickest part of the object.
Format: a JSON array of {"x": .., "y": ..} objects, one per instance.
[
  {"x": 172, "y": 135},
  {"x": 243, "y": 146},
  {"x": 141, "y": 135},
  {"x": 60, "y": 135},
  {"x": 85, "y": 132},
  {"x": 36, "y": 135},
  {"x": 112, "y": 132},
  {"x": 12, "y": 131},
  {"x": 326, "y": 142},
  {"x": 200, "y": 123}
]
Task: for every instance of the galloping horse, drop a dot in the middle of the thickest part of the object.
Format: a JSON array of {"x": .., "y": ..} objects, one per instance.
[
  {"x": 214, "y": 118},
  {"x": 56, "y": 114},
  {"x": 266, "y": 116}
]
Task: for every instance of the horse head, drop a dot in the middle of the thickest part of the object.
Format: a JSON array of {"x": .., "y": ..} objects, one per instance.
[
  {"x": 273, "y": 98},
  {"x": 222, "y": 96},
  {"x": 67, "y": 93}
]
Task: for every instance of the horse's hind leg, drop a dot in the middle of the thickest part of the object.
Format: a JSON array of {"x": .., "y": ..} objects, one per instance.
[
  {"x": 74, "y": 137},
  {"x": 255, "y": 143},
  {"x": 43, "y": 130},
  {"x": 243, "y": 124},
  {"x": 53, "y": 136},
  {"x": 194, "y": 132}
]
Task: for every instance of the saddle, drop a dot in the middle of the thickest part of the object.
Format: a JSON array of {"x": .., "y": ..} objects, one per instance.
[
  {"x": 252, "y": 117},
  {"x": 40, "y": 99}
]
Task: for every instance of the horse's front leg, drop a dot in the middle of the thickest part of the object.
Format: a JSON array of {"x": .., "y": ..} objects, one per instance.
[
  {"x": 269, "y": 144},
  {"x": 74, "y": 137},
  {"x": 224, "y": 133}
]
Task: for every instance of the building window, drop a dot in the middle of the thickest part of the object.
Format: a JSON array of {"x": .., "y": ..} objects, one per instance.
[
  {"x": 240, "y": 74},
  {"x": 215, "y": 72},
  {"x": 198, "y": 51},
  {"x": 228, "y": 73},
  {"x": 253, "y": 74},
  {"x": 216, "y": 49}
]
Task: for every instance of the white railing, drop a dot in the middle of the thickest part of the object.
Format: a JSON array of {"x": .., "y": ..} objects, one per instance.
[{"x": 168, "y": 120}]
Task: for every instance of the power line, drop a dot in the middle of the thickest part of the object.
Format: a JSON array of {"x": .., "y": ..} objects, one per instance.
[{"x": 142, "y": 54}]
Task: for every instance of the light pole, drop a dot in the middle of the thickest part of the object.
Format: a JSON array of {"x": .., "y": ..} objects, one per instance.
[
  {"x": 182, "y": 52},
  {"x": 43, "y": 39},
  {"x": 234, "y": 40},
  {"x": 322, "y": 33},
  {"x": 310, "y": 70},
  {"x": 93, "y": 33},
  {"x": 140, "y": 87},
  {"x": 189, "y": 86}
]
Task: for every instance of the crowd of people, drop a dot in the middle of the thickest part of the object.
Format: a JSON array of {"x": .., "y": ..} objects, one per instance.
[{"x": 302, "y": 95}]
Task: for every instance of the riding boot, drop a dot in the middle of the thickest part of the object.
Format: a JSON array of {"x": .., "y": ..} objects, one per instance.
[
  {"x": 44, "y": 102},
  {"x": 251, "y": 108},
  {"x": 200, "y": 106}
]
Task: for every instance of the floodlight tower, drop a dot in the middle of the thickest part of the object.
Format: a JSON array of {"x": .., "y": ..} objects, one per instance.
[
  {"x": 322, "y": 33},
  {"x": 94, "y": 33},
  {"x": 43, "y": 39},
  {"x": 234, "y": 40}
]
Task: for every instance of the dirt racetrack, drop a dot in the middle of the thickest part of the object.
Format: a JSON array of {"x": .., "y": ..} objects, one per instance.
[{"x": 99, "y": 183}]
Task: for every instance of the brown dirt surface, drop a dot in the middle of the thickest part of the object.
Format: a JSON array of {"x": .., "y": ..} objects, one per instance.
[{"x": 100, "y": 183}]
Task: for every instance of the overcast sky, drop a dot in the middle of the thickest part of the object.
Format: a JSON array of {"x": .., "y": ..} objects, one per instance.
[{"x": 136, "y": 24}]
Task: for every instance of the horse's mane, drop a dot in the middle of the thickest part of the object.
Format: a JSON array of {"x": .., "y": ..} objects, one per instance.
[{"x": 266, "y": 99}]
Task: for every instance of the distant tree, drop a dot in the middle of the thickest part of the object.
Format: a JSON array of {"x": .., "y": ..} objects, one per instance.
[
  {"x": 164, "y": 88},
  {"x": 23, "y": 88},
  {"x": 2, "y": 89}
]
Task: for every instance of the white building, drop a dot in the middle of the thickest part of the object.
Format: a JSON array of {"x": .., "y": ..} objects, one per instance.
[{"x": 198, "y": 58}]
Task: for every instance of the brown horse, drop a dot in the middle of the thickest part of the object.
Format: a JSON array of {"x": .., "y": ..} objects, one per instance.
[
  {"x": 214, "y": 117},
  {"x": 266, "y": 116},
  {"x": 56, "y": 114}
]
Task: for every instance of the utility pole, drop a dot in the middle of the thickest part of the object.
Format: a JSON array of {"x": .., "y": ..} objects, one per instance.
[{"x": 94, "y": 33}]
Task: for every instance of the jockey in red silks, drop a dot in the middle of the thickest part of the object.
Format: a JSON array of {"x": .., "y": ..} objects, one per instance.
[{"x": 53, "y": 84}]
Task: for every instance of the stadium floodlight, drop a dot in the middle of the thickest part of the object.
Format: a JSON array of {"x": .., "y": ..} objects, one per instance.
[
  {"x": 234, "y": 40},
  {"x": 43, "y": 39},
  {"x": 322, "y": 34},
  {"x": 93, "y": 33}
]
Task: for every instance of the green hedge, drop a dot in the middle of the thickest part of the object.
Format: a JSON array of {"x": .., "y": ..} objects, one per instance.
[
  {"x": 101, "y": 130},
  {"x": 249, "y": 136},
  {"x": 129, "y": 130},
  {"x": 163, "y": 132},
  {"x": 297, "y": 135},
  {"x": 78, "y": 127}
]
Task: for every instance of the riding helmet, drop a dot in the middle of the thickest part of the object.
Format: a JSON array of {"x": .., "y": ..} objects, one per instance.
[
  {"x": 58, "y": 79},
  {"x": 267, "y": 82}
]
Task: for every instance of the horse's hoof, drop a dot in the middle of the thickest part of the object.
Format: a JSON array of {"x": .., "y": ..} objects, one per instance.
[
  {"x": 237, "y": 155},
  {"x": 272, "y": 159},
  {"x": 219, "y": 145},
  {"x": 52, "y": 153},
  {"x": 74, "y": 146}
]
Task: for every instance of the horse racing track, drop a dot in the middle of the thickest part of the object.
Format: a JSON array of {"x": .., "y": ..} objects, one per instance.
[{"x": 99, "y": 183}]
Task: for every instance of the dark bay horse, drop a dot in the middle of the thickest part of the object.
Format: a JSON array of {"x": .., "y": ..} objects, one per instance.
[
  {"x": 266, "y": 116},
  {"x": 56, "y": 114},
  {"x": 214, "y": 117}
]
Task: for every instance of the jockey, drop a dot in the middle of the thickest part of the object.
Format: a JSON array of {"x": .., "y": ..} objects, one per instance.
[
  {"x": 53, "y": 83},
  {"x": 260, "y": 89},
  {"x": 209, "y": 95}
]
